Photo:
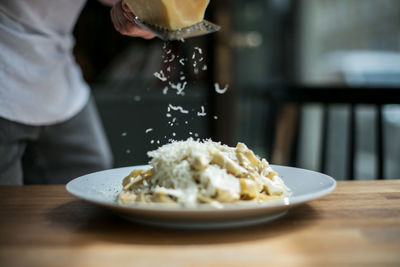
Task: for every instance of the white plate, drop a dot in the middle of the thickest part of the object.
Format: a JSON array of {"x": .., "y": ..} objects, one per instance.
[{"x": 102, "y": 188}]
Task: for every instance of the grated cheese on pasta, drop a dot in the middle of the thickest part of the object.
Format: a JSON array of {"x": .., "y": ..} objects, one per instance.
[{"x": 191, "y": 172}]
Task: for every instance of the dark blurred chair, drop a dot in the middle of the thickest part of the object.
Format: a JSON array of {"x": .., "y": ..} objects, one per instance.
[{"x": 284, "y": 104}]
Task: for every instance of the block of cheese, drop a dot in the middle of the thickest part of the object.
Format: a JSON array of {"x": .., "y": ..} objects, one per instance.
[{"x": 169, "y": 14}]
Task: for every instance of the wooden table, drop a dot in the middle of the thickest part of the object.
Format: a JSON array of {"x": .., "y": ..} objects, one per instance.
[{"x": 357, "y": 224}]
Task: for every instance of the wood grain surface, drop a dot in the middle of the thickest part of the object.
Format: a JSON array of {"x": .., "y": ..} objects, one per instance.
[{"x": 356, "y": 225}]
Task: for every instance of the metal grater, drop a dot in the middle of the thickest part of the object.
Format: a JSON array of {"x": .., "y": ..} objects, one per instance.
[{"x": 202, "y": 28}]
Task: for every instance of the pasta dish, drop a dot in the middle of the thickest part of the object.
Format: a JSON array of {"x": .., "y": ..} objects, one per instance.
[{"x": 192, "y": 172}]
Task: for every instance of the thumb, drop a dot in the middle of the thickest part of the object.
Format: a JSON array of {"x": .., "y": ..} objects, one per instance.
[{"x": 125, "y": 7}]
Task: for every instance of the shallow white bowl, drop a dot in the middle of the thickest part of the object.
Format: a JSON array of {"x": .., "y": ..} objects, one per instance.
[{"x": 102, "y": 188}]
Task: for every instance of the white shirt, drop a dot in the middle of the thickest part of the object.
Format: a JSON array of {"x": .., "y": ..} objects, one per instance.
[{"x": 40, "y": 82}]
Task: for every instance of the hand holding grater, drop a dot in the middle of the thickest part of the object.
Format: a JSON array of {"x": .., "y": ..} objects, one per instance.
[{"x": 202, "y": 28}]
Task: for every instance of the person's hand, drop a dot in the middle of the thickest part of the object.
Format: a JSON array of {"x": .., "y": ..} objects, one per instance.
[{"x": 122, "y": 18}]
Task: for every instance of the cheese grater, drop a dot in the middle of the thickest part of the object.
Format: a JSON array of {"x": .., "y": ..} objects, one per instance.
[{"x": 202, "y": 28}]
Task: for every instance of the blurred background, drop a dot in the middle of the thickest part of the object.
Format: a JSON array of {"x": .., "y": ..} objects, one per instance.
[{"x": 312, "y": 83}]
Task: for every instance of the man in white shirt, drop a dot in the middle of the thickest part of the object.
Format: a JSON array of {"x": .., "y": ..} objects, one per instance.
[{"x": 49, "y": 128}]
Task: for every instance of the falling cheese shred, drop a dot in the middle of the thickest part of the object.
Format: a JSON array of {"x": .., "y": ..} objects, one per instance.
[{"x": 192, "y": 172}]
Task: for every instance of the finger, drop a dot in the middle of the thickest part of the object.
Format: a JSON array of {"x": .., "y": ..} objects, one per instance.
[
  {"x": 125, "y": 24},
  {"x": 127, "y": 12},
  {"x": 135, "y": 30},
  {"x": 115, "y": 20},
  {"x": 129, "y": 16},
  {"x": 130, "y": 28},
  {"x": 125, "y": 7},
  {"x": 147, "y": 35},
  {"x": 150, "y": 36}
]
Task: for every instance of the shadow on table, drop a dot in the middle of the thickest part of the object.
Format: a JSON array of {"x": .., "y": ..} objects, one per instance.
[{"x": 87, "y": 222}]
